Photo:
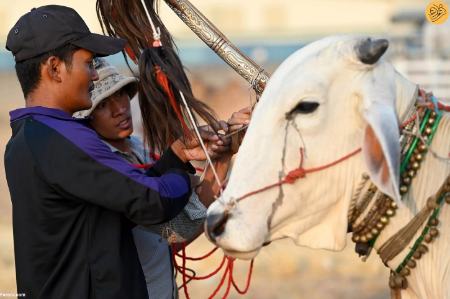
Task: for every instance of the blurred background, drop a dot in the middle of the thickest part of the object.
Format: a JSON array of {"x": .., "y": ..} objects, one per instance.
[{"x": 268, "y": 31}]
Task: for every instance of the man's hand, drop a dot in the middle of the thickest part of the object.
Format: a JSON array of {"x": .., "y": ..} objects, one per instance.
[
  {"x": 237, "y": 121},
  {"x": 190, "y": 149}
]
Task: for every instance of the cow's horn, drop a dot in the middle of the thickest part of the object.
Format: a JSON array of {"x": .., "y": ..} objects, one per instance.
[{"x": 369, "y": 51}]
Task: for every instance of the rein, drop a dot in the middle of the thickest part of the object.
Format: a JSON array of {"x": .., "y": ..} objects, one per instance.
[{"x": 299, "y": 173}]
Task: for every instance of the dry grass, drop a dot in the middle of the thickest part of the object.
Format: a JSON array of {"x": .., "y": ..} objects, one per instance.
[{"x": 281, "y": 270}]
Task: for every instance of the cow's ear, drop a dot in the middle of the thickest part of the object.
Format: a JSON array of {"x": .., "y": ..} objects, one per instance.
[{"x": 381, "y": 148}]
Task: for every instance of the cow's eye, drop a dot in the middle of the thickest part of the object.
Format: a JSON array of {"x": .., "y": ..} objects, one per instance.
[{"x": 303, "y": 108}]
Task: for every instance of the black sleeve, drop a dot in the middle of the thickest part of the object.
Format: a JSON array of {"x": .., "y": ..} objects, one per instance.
[
  {"x": 100, "y": 177},
  {"x": 169, "y": 160}
]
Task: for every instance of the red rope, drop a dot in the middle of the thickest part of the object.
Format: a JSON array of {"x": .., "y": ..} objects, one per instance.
[
  {"x": 408, "y": 121},
  {"x": 228, "y": 273},
  {"x": 184, "y": 273},
  {"x": 247, "y": 285},
  {"x": 205, "y": 276},
  {"x": 221, "y": 282},
  {"x": 430, "y": 105},
  {"x": 201, "y": 257},
  {"x": 299, "y": 173},
  {"x": 440, "y": 106}
]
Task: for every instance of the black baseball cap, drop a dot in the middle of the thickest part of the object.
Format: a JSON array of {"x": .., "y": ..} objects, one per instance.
[{"x": 49, "y": 27}]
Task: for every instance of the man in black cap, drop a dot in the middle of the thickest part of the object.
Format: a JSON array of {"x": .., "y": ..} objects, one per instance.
[{"x": 74, "y": 201}]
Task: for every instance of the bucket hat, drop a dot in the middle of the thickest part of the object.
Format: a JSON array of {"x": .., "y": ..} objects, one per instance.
[{"x": 109, "y": 82}]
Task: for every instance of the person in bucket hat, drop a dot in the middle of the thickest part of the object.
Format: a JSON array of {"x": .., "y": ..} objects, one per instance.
[
  {"x": 110, "y": 116},
  {"x": 74, "y": 202},
  {"x": 109, "y": 82}
]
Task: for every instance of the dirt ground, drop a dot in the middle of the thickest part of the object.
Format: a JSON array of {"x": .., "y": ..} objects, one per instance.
[{"x": 282, "y": 270}]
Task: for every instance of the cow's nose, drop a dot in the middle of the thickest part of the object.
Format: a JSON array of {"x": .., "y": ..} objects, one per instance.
[{"x": 215, "y": 225}]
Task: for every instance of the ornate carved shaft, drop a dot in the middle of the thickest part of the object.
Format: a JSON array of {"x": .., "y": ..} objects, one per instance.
[{"x": 208, "y": 33}]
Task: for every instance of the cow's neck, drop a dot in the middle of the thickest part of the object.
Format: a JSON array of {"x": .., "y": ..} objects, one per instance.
[{"x": 427, "y": 271}]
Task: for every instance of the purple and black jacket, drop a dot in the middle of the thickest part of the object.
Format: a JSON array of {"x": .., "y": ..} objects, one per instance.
[{"x": 74, "y": 204}]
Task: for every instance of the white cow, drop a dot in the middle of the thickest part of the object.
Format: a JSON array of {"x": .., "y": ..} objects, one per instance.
[{"x": 331, "y": 97}]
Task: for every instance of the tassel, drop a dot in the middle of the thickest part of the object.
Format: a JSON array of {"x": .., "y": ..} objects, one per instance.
[
  {"x": 130, "y": 54},
  {"x": 163, "y": 81},
  {"x": 396, "y": 294},
  {"x": 149, "y": 45},
  {"x": 392, "y": 247}
]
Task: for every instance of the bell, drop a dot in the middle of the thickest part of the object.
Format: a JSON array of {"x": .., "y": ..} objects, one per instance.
[
  {"x": 405, "y": 272},
  {"x": 433, "y": 222},
  {"x": 417, "y": 255},
  {"x": 390, "y": 212},
  {"x": 422, "y": 249},
  {"x": 434, "y": 232},
  {"x": 400, "y": 282},
  {"x": 407, "y": 180},
  {"x": 415, "y": 165},
  {"x": 422, "y": 147},
  {"x": 392, "y": 284},
  {"x": 362, "y": 249},
  {"x": 384, "y": 220},
  {"x": 411, "y": 263},
  {"x": 403, "y": 189},
  {"x": 431, "y": 203}
]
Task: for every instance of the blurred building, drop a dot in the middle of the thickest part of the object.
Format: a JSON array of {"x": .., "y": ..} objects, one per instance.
[
  {"x": 270, "y": 30},
  {"x": 420, "y": 50}
]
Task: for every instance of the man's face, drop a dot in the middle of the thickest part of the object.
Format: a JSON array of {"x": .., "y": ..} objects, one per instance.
[
  {"x": 112, "y": 117},
  {"x": 78, "y": 81}
]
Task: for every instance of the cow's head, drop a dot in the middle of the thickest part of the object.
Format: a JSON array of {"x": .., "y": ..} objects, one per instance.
[{"x": 330, "y": 98}]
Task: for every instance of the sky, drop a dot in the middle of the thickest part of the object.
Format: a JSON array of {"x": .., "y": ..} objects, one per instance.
[
  {"x": 254, "y": 22},
  {"x": 249, "y": 18}
]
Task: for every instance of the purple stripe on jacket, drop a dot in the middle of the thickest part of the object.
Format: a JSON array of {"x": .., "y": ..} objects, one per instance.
[{"x": 77, "y": 132}]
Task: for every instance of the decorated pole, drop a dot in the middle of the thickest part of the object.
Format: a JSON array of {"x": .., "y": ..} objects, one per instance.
[{"x": 218, "y": 42}]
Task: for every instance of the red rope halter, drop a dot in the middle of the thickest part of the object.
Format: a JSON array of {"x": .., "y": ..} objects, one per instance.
[
  {"x": 227, "y": 276},
  {"x": 299, "y": 173}
]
